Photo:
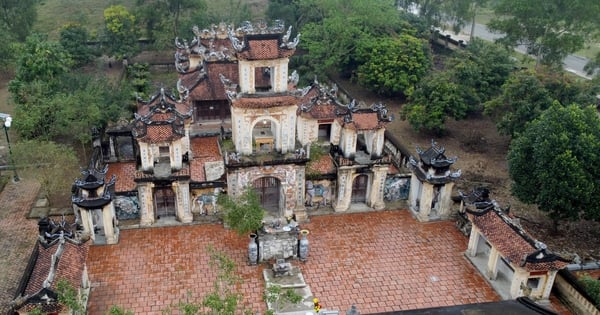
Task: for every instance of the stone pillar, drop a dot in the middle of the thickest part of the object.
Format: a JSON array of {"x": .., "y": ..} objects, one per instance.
[
  {"x": 108, "y": 220},
  {"x": 146, "y": 204},
  {"x": 445, "y": 201},
  {"x": 88, "y": 223},
  {"x": 413, "y": 194},
  {"x": 377, "y": 184},
  {"x": 473, "y": 242},
  {"x": 344, "y": 180},
  {"x": 182, "y": 196},
  {"x": 518, "y": 281},
  {"x": 113, "y": 155},
  {"x": 425, "y": 203},
  {"x": 548, "y": 284},
  {"x": 300, "y": 209},
  {"x": 492, "y": 264}
]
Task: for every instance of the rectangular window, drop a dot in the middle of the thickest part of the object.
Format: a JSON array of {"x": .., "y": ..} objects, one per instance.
[
  {"x": 163, "y": 151},
  {"x": 207, "y": 111},
  {"x": 533, "y": 283},
  {"x": 324, "y": 132}
]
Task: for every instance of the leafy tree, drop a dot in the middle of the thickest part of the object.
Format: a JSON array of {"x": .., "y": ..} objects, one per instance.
[
  {"x": 392, "y": 65},
  {"x": 54, "y": 165},
  {"x": 120, "y": 35},
  {"x": 435, "y": 99},
  {"x": 232, "y": 11},
  {"x": 285, "y": 10},
  {"x": 553, "y": 163},
  {"x": 39, "y": 59},
  {"x": 163, "y": 19},
  {"x": 336, "y": 27},
  {"x": 550, "y": 29},
  {"x": 17, "y": 17},
  {"x": 523, "y": 99},
  {"x": 440, "y": 13},
  {"x": 527, "y": 94},
  {"x": 74, "y": 39},
  {"x": 244, "y": 213},
  {"x": 481, "y": 70}
]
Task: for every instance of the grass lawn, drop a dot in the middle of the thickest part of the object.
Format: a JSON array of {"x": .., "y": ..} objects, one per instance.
[{"x": 52, "y": 14}]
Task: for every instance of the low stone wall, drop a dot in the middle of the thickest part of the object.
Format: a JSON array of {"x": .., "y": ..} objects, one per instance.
[{"x": 577, "y": 302}]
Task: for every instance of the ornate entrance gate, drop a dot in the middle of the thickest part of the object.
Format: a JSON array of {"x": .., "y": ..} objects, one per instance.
[
  {"x": 267, "y": 189},
  {"x": 359, "y": 188},
  {"x": 164, "y": 202}
]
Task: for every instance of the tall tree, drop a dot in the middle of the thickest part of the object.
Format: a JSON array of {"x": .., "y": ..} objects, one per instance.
[
  {"x": 392, "y": 65},
  {"x": 436, "y": 98},
  {"x": 554, "y": 163},
  {"x": 74, "y": 39},
  {"x": 550, "y": 29},
  {"x": 336, "y": 27},
  {"x": 17, "y": 17},
  {"x": 164, "y": 20},
  {"x": 120, "y": 33}
]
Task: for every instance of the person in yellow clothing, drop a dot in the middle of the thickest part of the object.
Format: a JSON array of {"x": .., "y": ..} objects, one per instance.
[{"x": 317, "y": 306}]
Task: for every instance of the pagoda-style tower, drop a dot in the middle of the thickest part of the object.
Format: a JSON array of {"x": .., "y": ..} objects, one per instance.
[
  {"x": 431, "y": 184},
  {"x": 93, "y": 204},
  {"x": 161, "y": 129}
]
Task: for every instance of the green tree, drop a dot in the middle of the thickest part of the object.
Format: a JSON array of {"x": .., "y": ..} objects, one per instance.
[
  {"x": 120, "y": 35},
  {"x": 163, "y": 19},
  {"x": 68, "y": 296},
  {"x": 243, "y": 213},
  {"x": 550, "y": 29},
  {"x": 74, "y": 39},
  {"x": 553, "y": 163},
  {"x": 53, "y": 165},
  {"x": 523, "y": 99},
  {"x": 392, "y": 65},
  {"x": 17, "y": 17},
  {"x": 481, "y": 70},
  {"x": 336, "y": 27},
  {"x": 436, "y": 98}
]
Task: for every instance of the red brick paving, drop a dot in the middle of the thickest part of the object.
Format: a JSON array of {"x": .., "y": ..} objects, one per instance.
[
  {"x": 17, "y": 236},
  {"x": 382, "y": 261}
]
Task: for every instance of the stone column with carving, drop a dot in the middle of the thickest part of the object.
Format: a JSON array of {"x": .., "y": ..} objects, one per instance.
[
  {"x": 473, "y": 242},
  {"x": 182, "y": 193},
  {"x": 425, "y": 203},
  {"x": 344, "y": 194},
  {"x": 492, "y": 264},
  {"x": 146, "y": 204},
  {"x": 108, "y": 220},
  {"x": 377, "y": 185},
  {"x": 300, "y": 210},
  {"x": 445, "y": 200},
  {"x": 87, "y": 223}
]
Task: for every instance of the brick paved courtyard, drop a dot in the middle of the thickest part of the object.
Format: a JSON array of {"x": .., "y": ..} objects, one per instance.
[{"x": 382, "y": 261}]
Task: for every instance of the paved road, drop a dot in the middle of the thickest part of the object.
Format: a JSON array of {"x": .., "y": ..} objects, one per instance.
[{"x": 572, "y": 63}]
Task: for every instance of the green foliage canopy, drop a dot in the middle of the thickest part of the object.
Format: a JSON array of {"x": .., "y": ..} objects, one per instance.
[
  {"x": 74, "y": 39},
  {"x": 120, "y": 33},
  {"x": 390, "y": 66},
  {"x": 554, "y": 163},
  {"x": 436, "y": 98},
  {"x": 242, "y": 213},
  {"x": 551, "y": 29}
]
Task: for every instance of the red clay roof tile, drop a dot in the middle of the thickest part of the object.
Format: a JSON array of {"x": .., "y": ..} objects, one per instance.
[{"x": 125, "y": 173}]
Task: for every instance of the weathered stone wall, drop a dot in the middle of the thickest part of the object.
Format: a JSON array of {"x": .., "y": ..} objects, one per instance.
[{"x": 577, "y": 302}]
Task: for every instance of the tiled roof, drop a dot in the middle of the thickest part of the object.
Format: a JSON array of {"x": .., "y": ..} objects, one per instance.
[
  {"x": 365, "y": 121},
  {"x": 324, "y": 165},
  {"x": 326, "y": 111},
  {"x": 125, "y": 173},
  {"x": 513, "y": 245},
  {"x": 161, "y": 118},
  {"x": 159, "y": 133},
  {"x": 211, "y": 87},
  {"x": 264, "y": 102},
  {"x": 69, "y": 265},
  {"x": 204, "y": 149},
  {"x": 266, "y": 48}
]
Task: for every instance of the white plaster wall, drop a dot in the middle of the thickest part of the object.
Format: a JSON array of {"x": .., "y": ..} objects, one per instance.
[
  {"x": 146, "y": 157},
  {"x": 279, "y": 74}
]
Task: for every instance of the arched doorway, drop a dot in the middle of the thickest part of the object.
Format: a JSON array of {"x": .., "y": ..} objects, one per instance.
[
  {"x": 268, "y": 190},
  {"x": 164, "y": 202},
  {"x": 359, "y": 188}
]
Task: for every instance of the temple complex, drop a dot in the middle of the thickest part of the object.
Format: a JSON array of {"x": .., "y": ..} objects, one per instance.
[{"x": 239, "y": 120}]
